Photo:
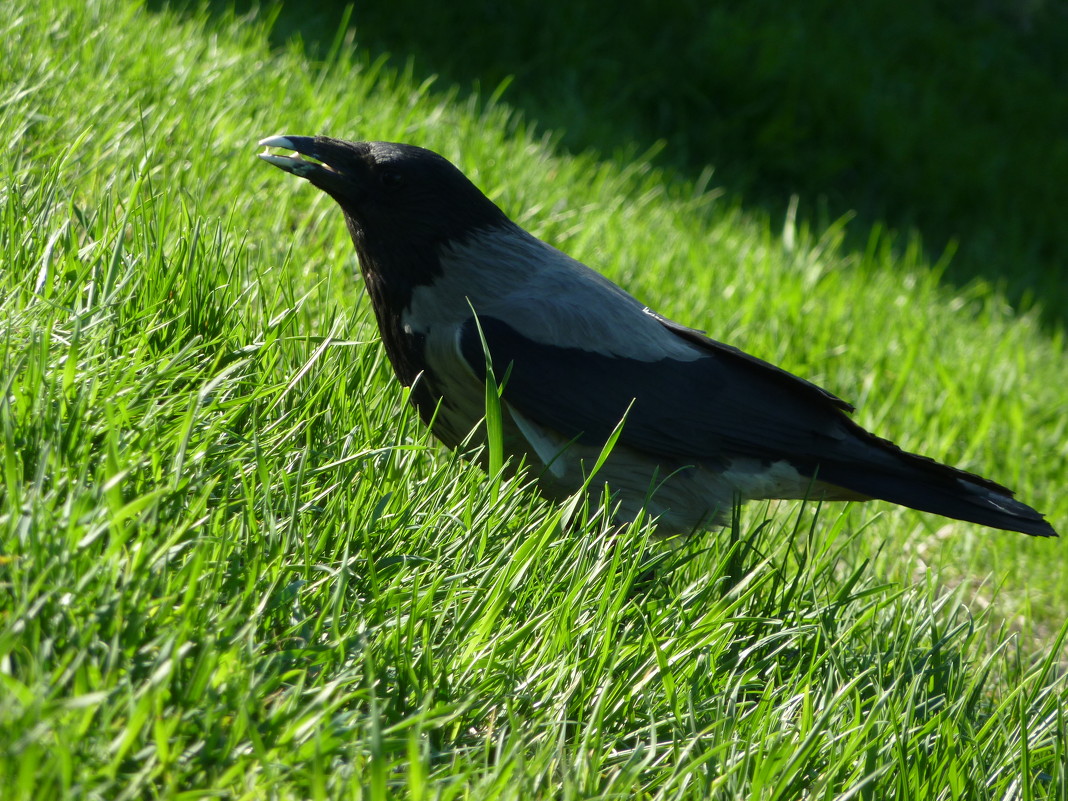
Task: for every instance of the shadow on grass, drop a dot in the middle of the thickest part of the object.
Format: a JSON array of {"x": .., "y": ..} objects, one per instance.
[{"x": 940, "y": 118}]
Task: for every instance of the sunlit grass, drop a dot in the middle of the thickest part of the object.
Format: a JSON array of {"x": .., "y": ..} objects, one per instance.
[{"x": 232, "y": 561}]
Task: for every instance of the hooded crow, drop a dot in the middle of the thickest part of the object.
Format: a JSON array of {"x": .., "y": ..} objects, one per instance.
[{"x": 453, "y": 280}]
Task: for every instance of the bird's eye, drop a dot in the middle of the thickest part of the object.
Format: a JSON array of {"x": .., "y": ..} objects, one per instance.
[{"x": 392, "y": 179}]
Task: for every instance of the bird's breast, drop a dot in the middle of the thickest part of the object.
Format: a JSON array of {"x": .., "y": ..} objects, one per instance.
[{"x": 449, "y": 397}]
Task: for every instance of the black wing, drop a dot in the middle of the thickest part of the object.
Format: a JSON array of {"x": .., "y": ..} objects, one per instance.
[
  {"x": 728, "y": 404},
  {"x": 721, "y": 404}
]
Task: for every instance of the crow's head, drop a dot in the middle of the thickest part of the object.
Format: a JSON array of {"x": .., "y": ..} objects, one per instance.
[{"x": 395, "y": 197}]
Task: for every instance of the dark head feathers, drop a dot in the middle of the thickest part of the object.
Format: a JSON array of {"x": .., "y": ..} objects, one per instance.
[
  {"x": 402, "y": 203},
  {"x": 389, "y": 189}
]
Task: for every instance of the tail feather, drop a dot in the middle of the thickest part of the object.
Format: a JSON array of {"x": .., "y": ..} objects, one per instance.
[{"x": 894, "y": 475}]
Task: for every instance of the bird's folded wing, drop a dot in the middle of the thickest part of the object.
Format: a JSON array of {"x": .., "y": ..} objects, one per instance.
[
  {"x": 729, "y": 353},
  {"x": 708, "y": 409}
]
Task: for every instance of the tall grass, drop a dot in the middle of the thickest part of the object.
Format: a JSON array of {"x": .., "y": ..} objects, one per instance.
[{"x": 232, "y": 563}]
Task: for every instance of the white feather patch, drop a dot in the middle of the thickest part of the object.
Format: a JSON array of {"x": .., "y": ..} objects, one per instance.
[
  {"x": 754, "y": 480},
  {"x": 549, "y": 445}
]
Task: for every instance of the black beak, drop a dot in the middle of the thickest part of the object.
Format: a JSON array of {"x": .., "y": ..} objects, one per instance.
[{"x": 322, "y": 167}]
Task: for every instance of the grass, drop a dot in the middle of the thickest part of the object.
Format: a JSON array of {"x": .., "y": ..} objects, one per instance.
[{"x": 233, "y": 565}]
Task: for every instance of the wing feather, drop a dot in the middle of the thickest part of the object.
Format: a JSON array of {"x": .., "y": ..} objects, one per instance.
[{"x": 708, "y": 410}]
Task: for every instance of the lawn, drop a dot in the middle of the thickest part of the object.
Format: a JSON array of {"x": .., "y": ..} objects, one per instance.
[{"x": 232, "y": 563}]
